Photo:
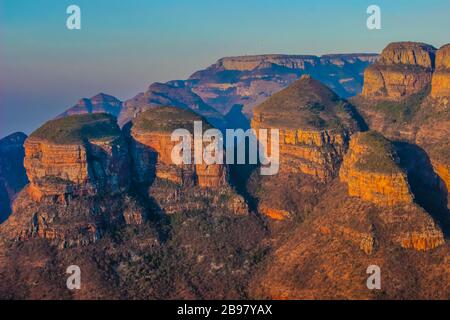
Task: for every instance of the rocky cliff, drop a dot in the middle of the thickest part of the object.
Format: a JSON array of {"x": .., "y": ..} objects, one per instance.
[
  {"x": 179, "y": 185},
  {"x": 404, "y": 68},
  {"x": 440, "y": 87},
  {"x": 79, "y": 155},
  {"x": 371, "y": 170},
  {"x": 421, "y": 118},
  {"x": 315, "y": 126},
  {"x": 76, "y": 166}
]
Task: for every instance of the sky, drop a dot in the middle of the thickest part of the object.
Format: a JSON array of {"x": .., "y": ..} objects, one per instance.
[{"x": 123, "y": 46}]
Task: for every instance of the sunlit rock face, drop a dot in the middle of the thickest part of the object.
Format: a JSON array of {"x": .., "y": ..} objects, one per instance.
[
  {"x": 152, "y": 149},
  {"x": 78, "y": 155},
  {"x": 403, "y": 69},
  {"x": 315, "y": 126},
  {"x": 371, "y": 170},
  {"x": 177, "y": 187},
  {"x": 79, "y": 172},
  {"x": 440, "y": 87}
]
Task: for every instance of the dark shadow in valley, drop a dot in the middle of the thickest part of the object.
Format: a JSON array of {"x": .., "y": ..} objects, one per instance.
[
  {"x": 240, "y": 175},
  {"x": 362, "y": 124},
  {"x": 236, "y": 119},
  {"x": 5, "y": 207},
  {"x": 427, "y": 187},
  {"x": 143, "y": 160},
  {"x": 13, "y": 177}
]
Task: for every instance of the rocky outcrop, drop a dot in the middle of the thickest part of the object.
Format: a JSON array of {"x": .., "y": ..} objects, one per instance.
[
  {"x": 152, "y": 149},
  {"x": 179, "y": 186},
  {"x": 100, "y": 103},
  {"x": 440, "y": 87},
  {"x": 249, "y": 63},
  {"x": 403, "y": 69},
  {"x": 314, "y": 125},
  {"x": 12, "y": 172},
  {"x": 314, "y": 129},
  {"x": 275, "y": 214},
  {"x": 371, "y": 171},
  {"x": 78, "y": 155},
  {"x": 79, "y": 172}
]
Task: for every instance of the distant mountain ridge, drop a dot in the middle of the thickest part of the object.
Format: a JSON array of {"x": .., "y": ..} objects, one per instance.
[
  {"x": 249, "y": 80},
  {"x": 243, "y": 80}
]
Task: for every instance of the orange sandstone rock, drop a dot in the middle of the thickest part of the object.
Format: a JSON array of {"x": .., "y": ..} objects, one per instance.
[
  {"x": 276, "y": 214},
  {"x": 440, "y": 87},
  {"x": 404, "y": 68},
  {"x": 84, "y": 164},
  {"x": 152, "y": 151},
  {"x": 314, "y": 126},
  {"x": 178, "y": 187},
  {"x": 371, "y": 172}
]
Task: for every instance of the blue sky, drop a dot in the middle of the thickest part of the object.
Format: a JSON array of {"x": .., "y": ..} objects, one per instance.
[{"x": 126, "y": 45}]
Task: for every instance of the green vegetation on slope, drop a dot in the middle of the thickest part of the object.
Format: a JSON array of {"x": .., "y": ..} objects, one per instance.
[
  {"x": 77, "y": 128},
  {"x": 306, "y": 104},
  {"x": 167, "y": 119},
  {"x": 405, "y": 110},
  {"x": 379, "y": 155}
]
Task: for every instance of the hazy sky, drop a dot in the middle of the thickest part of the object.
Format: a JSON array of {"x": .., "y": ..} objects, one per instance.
[{"x": 124, "y": 45}]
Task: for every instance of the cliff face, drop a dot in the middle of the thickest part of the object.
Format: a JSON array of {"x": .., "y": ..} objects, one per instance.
[
  {"x": 12, "y": 172},
  {"x": 152, "y": 150},
  {"x": 178, "y": 186},
  {"x": 404, "y": 68},
  {"x": 314, "y": 127},
  {"x": 371, "y": 171},
  {"x": 440, "y": 87},
  {"x": 79, "y": 172},
  {"x": 86, "y": 165}
]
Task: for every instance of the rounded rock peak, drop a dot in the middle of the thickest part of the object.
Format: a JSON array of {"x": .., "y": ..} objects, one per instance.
[
  {"x": 443, "y": 57},
  {"x": 76, "y": 129},
  {"x": 409, "y": 53},
  {"x": 306, "y": 104}
]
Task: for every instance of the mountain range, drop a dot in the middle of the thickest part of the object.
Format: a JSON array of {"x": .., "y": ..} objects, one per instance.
[{"x": 364, "y": 180}]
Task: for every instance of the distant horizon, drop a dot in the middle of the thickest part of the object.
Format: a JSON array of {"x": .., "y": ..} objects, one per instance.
[{"x": 123, "y": 47}]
